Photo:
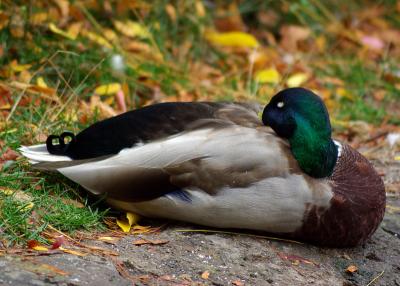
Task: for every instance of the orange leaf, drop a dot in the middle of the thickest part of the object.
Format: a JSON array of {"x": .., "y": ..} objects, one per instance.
[
  {"x": 205, "y": 275},
  {"x": 34, "y": 245},
  {"x": 351, "y": 269}
]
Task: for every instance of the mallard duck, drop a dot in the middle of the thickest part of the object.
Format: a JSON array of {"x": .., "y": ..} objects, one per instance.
[{"x": 220, "y": 165}]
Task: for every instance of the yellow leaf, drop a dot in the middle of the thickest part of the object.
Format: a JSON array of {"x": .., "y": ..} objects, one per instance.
[
  {"x": 27, "y": 207},
  {"x": 40, "y": 248},
  {"x": 108, "y": 239},
  {"x": 70, "y": 251},
  {"x": 345, "y": 93},
  {"x": 397, "y": 158},
  {"x": 108, "y": 89},
  {"x": 268, "y": 76},
  {"x": 97, "y": 39},
  {"x": 297, "y": 79},
  {"x": 200, "y": 10},
  {"x": 7, "y": 191},
  {"x": 74, "y": 29},
  {"x": 17, "y": 67},
  {"x": 205, "y": 275},
  {"x": 132, "y": 218},
  {"x": 170, "y": 9},
  {"x": 41, "y": 83},
  {"x": 60, "y": 32},
  {"x": 125, "y": 224},
  {"x": 233, "y": 39},
  {"x": 132, "y": 29}
]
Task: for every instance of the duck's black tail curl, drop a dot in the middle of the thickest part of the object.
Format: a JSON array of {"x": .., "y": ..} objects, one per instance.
[{"x": 62, "y": 147}]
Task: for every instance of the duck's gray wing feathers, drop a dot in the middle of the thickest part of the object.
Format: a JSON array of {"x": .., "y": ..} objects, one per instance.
[{"x": 206, "y": 159}]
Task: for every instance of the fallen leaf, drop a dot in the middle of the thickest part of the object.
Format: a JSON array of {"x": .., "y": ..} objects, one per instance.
[
  {"x": 238, "y": 283},
  {"x": 132, "y": 29},
  {"x": 152, "y": 242},
  {"x": 60, "y": 240},
  {"x": 170, "y": 9},
  {"x": 126, "y": 223},
  {"x": 96, "y": 39},
  {"x": 342, "y": 92},
  {"x": 28, "y": 206},
  {"x": 108, "y": 89},
  {"x": 139, "y": 229},
  {"x": 297, "y": 79},
  {"x": 372, "y": 42},
  {"x": 109, "y": 239},
  {"x": 351, "y": 269},
  {"x": 232, "y": 39},
  {"x": 73, "y": 252},
  {"x": 14, "y": 66},
  {"x": 34, "y": 245},
  {"x": 200, "y": 10},
  {"x": 295, "y": 259},
  {"x": 270, "y": 75},
  {"x": 292, "y": 35},
  {"x": 205, "y": 275},
  {"x": 40, "y": 82},
  {"x": 60, "y": 32}
]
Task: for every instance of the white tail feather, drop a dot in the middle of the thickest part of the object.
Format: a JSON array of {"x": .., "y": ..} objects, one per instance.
[{"x": 38, "y": 153}]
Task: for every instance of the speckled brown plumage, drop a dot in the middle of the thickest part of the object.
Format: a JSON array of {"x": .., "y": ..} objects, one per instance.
[{"x": 357, "y": 207}]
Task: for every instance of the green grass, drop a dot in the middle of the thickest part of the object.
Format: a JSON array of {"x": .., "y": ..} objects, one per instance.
[{"x": 40, "y": 200}]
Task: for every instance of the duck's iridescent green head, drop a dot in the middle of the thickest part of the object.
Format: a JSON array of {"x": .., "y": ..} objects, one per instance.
[{"x": 300, "y": 116}]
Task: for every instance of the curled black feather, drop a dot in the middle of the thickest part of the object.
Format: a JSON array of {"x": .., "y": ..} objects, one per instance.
[{"x": 62, "y": 147}]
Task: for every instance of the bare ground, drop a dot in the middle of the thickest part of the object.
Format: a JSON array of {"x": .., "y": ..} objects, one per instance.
[{"x": 220, "y": 259}]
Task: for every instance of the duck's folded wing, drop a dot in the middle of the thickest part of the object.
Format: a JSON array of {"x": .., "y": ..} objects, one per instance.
[
  {"x": 155, "y": 122},
  {"x": 206, "y": 159}
]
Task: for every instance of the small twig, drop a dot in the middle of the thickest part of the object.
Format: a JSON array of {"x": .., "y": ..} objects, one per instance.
[
  {"x": 237, "y": 233},
  {"x": 376, "y": 278},
  {"x": 15, "y": 104},
  {"x": 376, "y": 136}
]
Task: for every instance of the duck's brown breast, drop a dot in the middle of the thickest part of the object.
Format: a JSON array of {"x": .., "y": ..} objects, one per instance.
[{"x": 357, "y": 206}]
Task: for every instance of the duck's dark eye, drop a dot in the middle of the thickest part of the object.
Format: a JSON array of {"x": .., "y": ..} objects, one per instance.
[{"x": 280, "y": 104}]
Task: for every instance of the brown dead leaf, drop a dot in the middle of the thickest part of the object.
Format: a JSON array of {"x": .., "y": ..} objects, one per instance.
[
  {"x": 109, "y": 239},
  {"x": 292, "y": 35},
  {"x": 238, "y": 283},
  {"x": 152, "y": 242},
  {"x": 9, "y": 155},
  {"x": 295, "y": 259},
  {"x": 229, "y": 19}
]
